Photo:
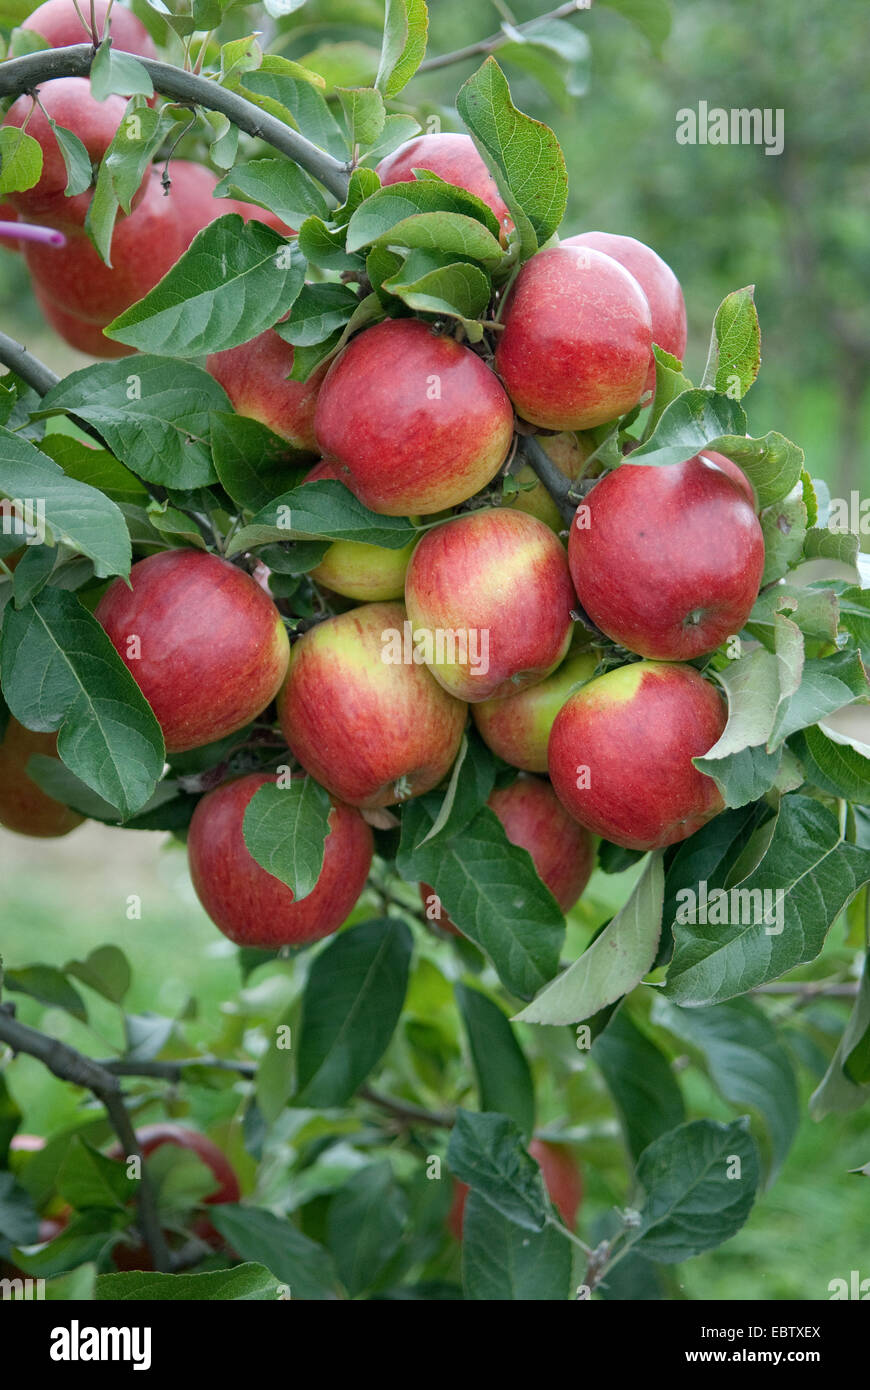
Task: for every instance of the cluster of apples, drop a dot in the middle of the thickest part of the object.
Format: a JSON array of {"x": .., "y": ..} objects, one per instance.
[
  {"x": 373, "y": 702},
  {"x": 78, "y": 293}
]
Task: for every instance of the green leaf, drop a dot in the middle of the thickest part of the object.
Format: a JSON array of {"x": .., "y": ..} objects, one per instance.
[
  {"x": 88, "y": 1179},
  {"x": 326, "y": 508},
  {"x": 840, "y": 546},
  {"x": 400, "y": 206},
  {"x": 854, "y": 610},
  {"x": 20, "y": 160},
  {"x": 471, "y": 782},
  {"x": 324, "y": 246},
  {"x": 117, "y": 72},
  {"x": 826, "y": 685},
  {"x": 745, "y": 775},
  {"x": 640, "y": 1079},
  {"x": 487, "y": 1153},
  {"x": 178, "y": 526},
  {"x": 504, "y": 1081},
  {"x": 87, "y": 1237},
  {"x": 447, "y": 233},
  {"x": 651, "y": 17},
  {"x": 278, "y": 185},
  {"x": 105, "y": 970},
  {"x": 404, "y": 44},
  {"x": 61, "y": 672},
  {"x": 233, "y": 282},
  {"x": 246, "y": 1283},
  {"x": 502, "y": 1260},
  {"x": 490, "y": 889},
  {"x": 700, "y": 1182},
  {"x": 523, "y": 154},
  {"x": 76, "y": 159},
  {"x": 285, "y": 830},
  {"x": 96, "y": 467},
  {"x": 253, "y": 464},
  {"x": 350, "y": 1008},
  {"x": 735, "y": 345},
  {"x": 430, "y": 285},
  {"x": 616, "y": 961},
  {"x": 365, "y": 1225},
  {"x": 33, "y": 572},
  {"x": 364, "y": 114},
  {"x": 670, "y": 383},
  {"x": 153, "y": 412},
  {"x": 846, "y": 1084},
  {"x": 806, "y": 878},
  {"x": 698, "y": 420},
  {"x": 317, "y": 313},
  {"x": 281, "y": 84},
  {"x": 273, "y": 1241},
  {"x": 836, "y": 768},
  {"x": 50, "y": 986},
  {"x": 785, "y": 527},
  {"x": 134, "y": 145},
  {"x": 814, "y": 611},
  {"x": 747, "y": 1063},
  {"x": 19, "y": 1222},
  {"x": 74, "y": 513}
]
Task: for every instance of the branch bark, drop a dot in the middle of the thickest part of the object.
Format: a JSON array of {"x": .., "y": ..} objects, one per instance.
[
  {"x": 25, "y": 365},
  {"x": 67, "y": 1064},
  {"x": 19, "y": 75},
  {"x": 553, "y": 479},
  {"x": 486, "y": 46}
]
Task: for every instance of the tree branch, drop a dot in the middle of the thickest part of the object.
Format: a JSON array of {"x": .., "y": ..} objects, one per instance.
[
  {"x": 553, "y": 479},
  {"x": 811, "y": 989},
  {"x": 486, "y": 46},
  {"x": 67, "y": 1064},
  {"x": 25, "y": 365},
  {"x": 173, "y": 1071},
  {"x": 404, "y": 1111},
  {"x": 19, "y": 75}
]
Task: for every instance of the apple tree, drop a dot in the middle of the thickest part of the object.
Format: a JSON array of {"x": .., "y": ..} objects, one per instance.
[{"x": 509, "y": 695}]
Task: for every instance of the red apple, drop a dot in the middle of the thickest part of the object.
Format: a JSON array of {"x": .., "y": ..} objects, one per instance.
[
  {"x": 68, "y": 101},
  {"x": 562, "y": 1179},
  {"x": 145, "y": 246},
  {"x": 255, "y": 377},
  {"x": 735, "y": 473},
  {"x": 489, "y": 596},
  {"x": 577, "y": 339},
  {"x": 667, "y": 561},
  {"x": 417, "y": 421},
  {"x": 60, "y": 24},
  {"x": 251, "y": 906},
  {"x": 534, "y": 818},
  {"x": 621, "y": 752},
  {"x": 372, "y": 726},
  {"x": 658, "y": 282},
  {"x": 79, "y": 333},
  {"x": 206, "y": 646},
  {"x": 24, "y": 806},
  {"x": 517, "y": 727},
  {"x": 455, "y": 159},
  {"x": 128, "y": 1256}
]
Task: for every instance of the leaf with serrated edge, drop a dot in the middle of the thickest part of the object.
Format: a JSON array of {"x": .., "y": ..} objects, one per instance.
[
  {"x": 816, "y": 873},
  {"x": 285, "y": 830}
]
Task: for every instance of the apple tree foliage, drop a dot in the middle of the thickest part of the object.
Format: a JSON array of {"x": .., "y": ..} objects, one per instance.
[{"x": 414, "y": 1055}]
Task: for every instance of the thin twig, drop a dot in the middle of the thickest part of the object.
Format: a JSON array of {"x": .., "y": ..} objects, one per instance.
[
  {"x": 403, "y": 1110},
  {"x": 809, "y": 989},
  {"x": 67, "y": 1064},
  {"x": 25, "y": 365},
  {"x": 173, "y": 1071},
  {"x": 486, "y": 46},
  {"x": 24, "y": 74},
  {"x": 553, "y": 478}
]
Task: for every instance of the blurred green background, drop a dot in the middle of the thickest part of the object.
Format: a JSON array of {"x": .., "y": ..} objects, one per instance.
[{"x": 795, "y": 225}]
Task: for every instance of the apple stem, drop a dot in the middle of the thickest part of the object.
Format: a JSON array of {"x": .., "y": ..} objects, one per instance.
[{"x": 24, "y": 74}]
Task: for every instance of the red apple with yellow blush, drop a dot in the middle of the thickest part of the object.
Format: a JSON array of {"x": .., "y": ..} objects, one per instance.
[
  {"x": 206, "y": 646},
  {"x": 577, "y": 339},
  {"x": 369, "y": 725},
  {"x": 517, "y": 727},
  {"x": 667, "y": 560},
  {"x": 416, "y": 421},
  {"x": 621, "y": 750},
  {"x": 489, "y": 597}
]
